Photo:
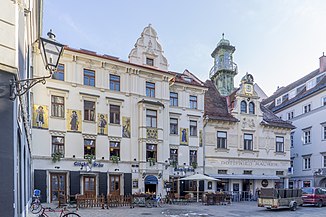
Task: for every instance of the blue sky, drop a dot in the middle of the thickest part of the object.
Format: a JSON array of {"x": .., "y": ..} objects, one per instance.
[{"x": 277, "y": 41}]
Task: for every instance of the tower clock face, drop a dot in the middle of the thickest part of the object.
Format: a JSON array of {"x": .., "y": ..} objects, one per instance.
[{"x": 249, "y": 89}]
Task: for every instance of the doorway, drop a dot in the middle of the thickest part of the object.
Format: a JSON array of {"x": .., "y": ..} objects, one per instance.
[
  {"x": 115, "y": 184},
  {"x": 90, "y": 185},
  {"x": 58, "y": 186}
]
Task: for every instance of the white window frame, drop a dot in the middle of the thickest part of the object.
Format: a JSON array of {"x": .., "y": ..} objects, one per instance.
[
  {"x": 279, "y": 144},
  {"x": 306, "y": 136},
  {"x": 306, "y": 163},
  {"x": 222, "y": 138},
  {"x": 305, "y": 108},
  {"x": 290, "y": 115},
  {"x": 248, "y": 143}
]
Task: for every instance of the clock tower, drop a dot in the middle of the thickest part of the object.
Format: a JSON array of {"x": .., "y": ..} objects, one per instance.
[{"x": 224, "y": 69}]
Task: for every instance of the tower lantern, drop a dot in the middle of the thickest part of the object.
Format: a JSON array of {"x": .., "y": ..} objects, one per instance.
[{"x": 224, "y": 69}]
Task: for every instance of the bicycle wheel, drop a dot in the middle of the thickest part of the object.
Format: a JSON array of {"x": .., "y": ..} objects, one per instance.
[
  {"x": 160, "y": 203},
  {"x": 71, "y": 214},
  {"x": 35, "y": 208},
  {"x": 148, "y": 204}
]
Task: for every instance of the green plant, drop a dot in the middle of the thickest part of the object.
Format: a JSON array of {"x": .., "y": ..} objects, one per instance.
[
  {"x": 151, "y": 161},
  {"x": 194, "y": 165},
  {"x": 115, "y": 159},
  {"x": 56, "y": 156},
  {"x": 89, "y": 158}
]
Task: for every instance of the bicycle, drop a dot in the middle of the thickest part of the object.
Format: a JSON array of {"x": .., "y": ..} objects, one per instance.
[
  {"x": 35, "y": 206},
  {"x": 154, "y": 201},
  {"x": 63, "y": 212}
]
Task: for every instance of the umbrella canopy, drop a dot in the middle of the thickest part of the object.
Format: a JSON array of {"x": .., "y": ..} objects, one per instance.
[{"x": 199, "y": 177}]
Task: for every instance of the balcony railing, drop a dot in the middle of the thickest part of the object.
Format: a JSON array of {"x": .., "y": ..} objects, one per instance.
[
  {"x": 222, "y": 66},
  {"x": 151, "y": 133}
]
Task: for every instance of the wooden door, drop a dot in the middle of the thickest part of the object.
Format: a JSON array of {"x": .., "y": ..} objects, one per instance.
[
  {"x": 115, "y": 184},
  {"x": 90, "y": 185},
  {"x": 58, "y": 186}
]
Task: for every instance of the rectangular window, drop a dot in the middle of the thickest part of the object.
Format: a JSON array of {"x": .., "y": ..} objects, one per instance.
[
  {"x": 174, "y": 157},
  {"x": 114, "y": 114},
  {"x": 324, "y": 132},
  {"x": 307, "y": 108},
  {"x": 306, "y": 163},
  {"x": 150, "y": 61},
  {"x": 59, "y": 73},
  {"x": 150, "y": 89},
  {"x": 285, "y": 97},
  {"x": 173, "y": 99},
  {"x": 89, "y": 148},
  {"x": 290, "y": 115},
  {"x": 280, "y": 173},
  {"x": 221, "y": 139},
  {"x": 115, "y": 82},
  {"x": 222, "y": 171},
  {"x": 173, "y": 126},
  {"x": 248, "y": 142},
  {"x": 306, "y": 136},
  {"x": 324, "y": 161},
  {"x": 192, "y": 157},
  {"x": 193, "y": 102},
  {"x": 57, "y": 106},
  {"x": 114, "y": 149},
  {"x": 292, "y": 139},
  {"x": 89, "y": 110},
  {"x": 279, "y": 144},
  {"x": 247, "y": 172},
  {"x": 193, "y": 128},
  {"x": 151, "y": 152},
  {"x": 151, "y": 118},
  {"x": 323, "y": 101},
  {"x": 89, "y": 77},
  {"x": 58, "y": 146}
]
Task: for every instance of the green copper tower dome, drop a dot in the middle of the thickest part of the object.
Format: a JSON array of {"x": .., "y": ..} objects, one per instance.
[{"x": 224, "y": 69}]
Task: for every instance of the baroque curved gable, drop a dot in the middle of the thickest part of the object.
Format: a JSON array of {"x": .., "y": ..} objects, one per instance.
[{"x": 148, "y": 47}]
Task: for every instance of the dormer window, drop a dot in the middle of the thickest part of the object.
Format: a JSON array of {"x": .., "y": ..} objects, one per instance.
[
  {"x": 149, "y": 61},
  {"x": 278, "y": 101}
]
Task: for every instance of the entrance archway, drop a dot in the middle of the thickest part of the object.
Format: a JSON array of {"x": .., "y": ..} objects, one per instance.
[
  {"x": 151, "y": 184},
  {"x": 322, "y": 183}
]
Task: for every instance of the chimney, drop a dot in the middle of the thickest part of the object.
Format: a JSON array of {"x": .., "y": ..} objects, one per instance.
[{"x": 322, "y": 63}]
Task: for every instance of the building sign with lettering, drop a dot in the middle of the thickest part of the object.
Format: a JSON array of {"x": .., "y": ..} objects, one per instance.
[
  {"x": 247, "y": 163},
  {"x": 82, "y": 164}
]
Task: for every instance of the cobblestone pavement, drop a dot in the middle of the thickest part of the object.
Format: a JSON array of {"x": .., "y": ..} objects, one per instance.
[{"x": 242, "y": 209}]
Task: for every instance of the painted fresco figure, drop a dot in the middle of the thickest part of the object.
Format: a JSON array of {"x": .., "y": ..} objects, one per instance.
[
  {"x": 40, "y": 117},
  {"x": 184, "y": 136},
  {"x": 102, "y": 124},
  {"x": 74, "y": 121},
  {"x": 126, "y": 129}
]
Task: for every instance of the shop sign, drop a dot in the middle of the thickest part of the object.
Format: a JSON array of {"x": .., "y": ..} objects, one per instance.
[{"x": 83, "y": 164}]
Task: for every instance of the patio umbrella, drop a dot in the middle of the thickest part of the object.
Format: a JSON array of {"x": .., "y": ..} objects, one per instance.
[{"x": 199, "y": 177}]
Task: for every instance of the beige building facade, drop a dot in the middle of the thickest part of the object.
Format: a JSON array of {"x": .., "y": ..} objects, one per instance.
[{"x": 116, "y": 127}]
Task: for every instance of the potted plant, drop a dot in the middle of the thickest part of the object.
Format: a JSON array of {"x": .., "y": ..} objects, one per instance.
[
  {"x": 151, "y": 161},
  {"x": 56, "y": 156},
  {"x": 194, "y": 165},
  {"x": 115, "y": 159},
  {"x": 89, "y": 158}
]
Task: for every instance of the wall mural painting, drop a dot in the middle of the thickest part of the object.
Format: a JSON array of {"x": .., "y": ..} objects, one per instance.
[
  {"x": 74, "y": 122},
  {"x": 184, "y": 137},
  {"x": 40, "y": 117},
  {"x": 126, "y": 128},
  {"x": 102, "y": 124}
]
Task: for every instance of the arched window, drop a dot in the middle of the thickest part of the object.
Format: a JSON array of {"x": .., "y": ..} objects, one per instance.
[
  {"x": 243, "y": 106},
  {"x": 251, "y": 108}
]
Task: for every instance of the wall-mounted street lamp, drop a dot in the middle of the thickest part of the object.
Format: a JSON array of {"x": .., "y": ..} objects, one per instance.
[{"x": 51, "y": 52}]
